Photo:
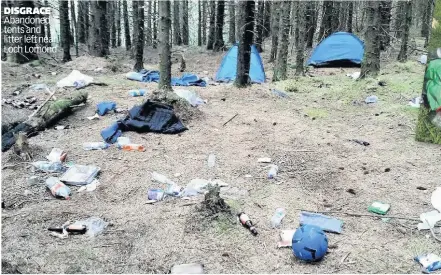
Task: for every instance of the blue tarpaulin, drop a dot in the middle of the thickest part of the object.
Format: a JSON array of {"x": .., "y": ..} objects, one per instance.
[
  {"x": 340, "y": 46},
  {"x": 187, "y": 79},
  {"x": 228, "y": 68}
]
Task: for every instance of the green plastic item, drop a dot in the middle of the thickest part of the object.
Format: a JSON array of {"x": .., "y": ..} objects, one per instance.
[
  {"x": 379, "y": 208},
  {"x": 432, "y": 84}
]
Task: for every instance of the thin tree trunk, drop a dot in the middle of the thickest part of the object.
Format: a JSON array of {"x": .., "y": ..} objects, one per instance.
[
  {"x": 267, "y": 19},
  {"x": 427, "y": 22},
  {"x": 219, "y": 39},
  {"x": 300, "y": 40},
  {"x": 350, "y": 16},
  {"x": 204, "y": 22},
  {"x": 74, "y": 24},
  {"x": 139, "y": 65},
  {"x": 259, "y": 17},
  {"x": 155, "y": 23},
  {"x": 185, "y": 27},
  {"x": 385, "y": 7},
  {"x": 326, "y": 25},
  {"x": 177, "y": 40},
  {"x": 49, "y": 34},
  {"x": 311, "y": 22},
  {"x": 246, "y": 14},
  {"x": 134, "y": 25},
  {"x": 99, "y": 34},
  {"x": 164, "y": 44},
  {"x": 81, "y": 22},
  {"x": 148, "y": 33},
  {"x": 112, "y": 11},
  {"x": 335, "y": 17},
  {"x": 126, "y": 26},
  {"x": 212, "y": 28},
  {"x": 371, "y": 60},
  {"x": 399, "y": 19},
  {"x": 199, "y": 23},
  {"x": 232, "y": 22},
  {"x": 64, "y": 29},
  {"x": 275, "y": 22},
  {"x": 402, "y": 56},
  {"x": 280, "y": 69}
]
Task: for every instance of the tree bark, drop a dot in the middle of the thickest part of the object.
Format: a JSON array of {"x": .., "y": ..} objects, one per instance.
[
  {"x": 204, "y": 22},
  {"x": 427, "y": 22},
  {"x": 112, "y": 11},
  {"x": 232, "y": 22},
  {"x": 126, "y": 26},
  {"x": 64, "y": 29},
  {"x": 246, "y": 14},
  {"x": 185, "y": 27},
  {"x": 164, "y": 44},
  {"x": 81, "y": 22},
  {"x": 350, "y": 16},
  {"x": 75, "y": 25},
  {"x": 49, "y": 34},
  {"x": 371, "y": 60},
  {"x": 386, "y": 7},
  {"x": 155, "y": 24},
  {"x": 219, "y": 39},
  {"x": 280, "y": 69},
  {"x": 118, "y": 23},
  {"x": 199, "y": 23},
  {"x": 177, "y": 39},
  {"x": 275, "y": 22},
  {"x": 399, "y": 19},
  {"x": 402, "y": 56},
  {"x": 335, "y": 17},
  {"x": 139, "y": 54},
  {"x": 300, "y": 40},
  {"x": 267, "y": 19},
  {"x": 326, "y": 25},
  {"x": 211, "y": 29},
  {"x": 148, "y": 32},
  {"x": 134, "y": 25},
  {"x": 99, "y": 34},
  {"x": 259, "y": 17},
  {"x": 311, "y": 23}
]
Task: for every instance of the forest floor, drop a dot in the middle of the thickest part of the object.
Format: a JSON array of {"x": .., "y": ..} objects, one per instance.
[{"x": 307, "y": 135}]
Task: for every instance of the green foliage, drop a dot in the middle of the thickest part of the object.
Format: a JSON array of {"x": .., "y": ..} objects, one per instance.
[
  {"x": 435, "y": 39},
  {"x": 425, "y": 130}
]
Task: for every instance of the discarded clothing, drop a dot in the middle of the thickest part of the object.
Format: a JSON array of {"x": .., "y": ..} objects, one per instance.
[
  {"x": 104, "y": 107},
  {"x": 153, "y": 76},
  {"x": 326, "y": 223},
  {"x": 149, "y": 117}
]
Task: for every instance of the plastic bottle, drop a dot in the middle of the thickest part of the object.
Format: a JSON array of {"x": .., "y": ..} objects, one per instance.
[
  {"x": 47, "y": 166},
  {"x": 211, "y": 160},
  {"x": 273, "y": 171},
  {"x": 277, "y": 218},
  {"x": 245, "y": 221},
  {"x": 136, "y": 93},
  {"x": 132, "y": 147},
  {"x": 58, "y": 189},
  {"x": 95, "y": 146}
]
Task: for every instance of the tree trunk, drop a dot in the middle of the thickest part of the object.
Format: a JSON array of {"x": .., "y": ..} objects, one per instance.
[
  {"x": 350, "y": 16},
  {"x": 199, "y": 23},
  {"x": 155, "y": 23},
  {"x": 211, "y": 29},
  {"x": 139, "y": 52},
  {"x": 259, "y": 17},
  {"x": 427, "y": 22},
  {"x": 49, "y": 34},
  {"x": 326, "y": 25},
  {"x": 371, "y": 60},
  {"x": 74, "y": 24},
  {"x": 275, "y": 22},
  {"x": 185, "y": 27},
  {"x": 282, "y": 55},
  {"x": 118, "y": 23},
  {"x": 311, "y": 22},
  {"x": 177, "y": 39},
  {"x": 335, "y": 16},
  {"x": 99, "y": 45},
  {"x": 386, "y": 7},
  {"x": 246, "y": 15},
  {"x": 232, "y": 22},
  {"x": 126, "y": 26},
  {"x": 148, "y": 33},
  {"x": 300, "y": 40},
  {"x": 204, "y": 22},
  {"x": 267, "y": 19},
  {"x": 64, "y": 29},
  {"x": 164, "y": 46},
  {"x": 402, "y": 56},
  {"x": 81, "y": 22},
  {"x": 113, "y": 7},
  {"x": 219, "y": 39},
  {"x": 399, "y": 19},
  {"x": 134, "y": 25}
]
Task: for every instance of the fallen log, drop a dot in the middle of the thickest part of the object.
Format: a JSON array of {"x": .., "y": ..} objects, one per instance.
[{"x": 45, "y": 117}]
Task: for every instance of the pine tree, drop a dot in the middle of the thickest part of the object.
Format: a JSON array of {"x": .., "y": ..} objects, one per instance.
[
  {"x": 164, "y": 44},
  {"x": 427, "y": 21},
  {"x": 74, "y": 24},
  {"x": 64, "y": 29},
  {"x": 49, "y": 34},
  {"x": 267, "y": 19},
  {"x": 326, "y": 25},
  {"x": 126, "y": 26},
  {"x": 139, "y": 54},
  {"x": 402, "y": 56},
  {"x": 246, "y": 15},
  {"x": 199, "y": 23},
  {"x": 280, "y": 68},
  {"x": 81, "y": 22},
  {"x": 177, "y": 39},
  {"x": 185, "y": 28},
  {"x": 219, "y": 39},
  {"x": 300, "y": 34},
  {"x": 232, "y": 22},
  {"x": 259, "y": 17},
  {"x": 204, "y": 22},
  {"x": 275, "y": 22},
  {"x": 386, "y": 7},
  {"x": 148, "y": 33},
  {"x": 311, "y": 22},
  {"x": 99, "y": 43},
  {"x": 371, "y": 60},
  {"x": 211, "y": 29},
  {"x": 112, "y": 11},
  {"x": 350, "y": 16},
  {"x": 155, "y": 23},
  {"x": 118, "y": 23}
]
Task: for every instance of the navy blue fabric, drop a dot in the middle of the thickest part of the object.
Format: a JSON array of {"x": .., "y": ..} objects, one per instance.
[
  {"x": 340, "y": 46},
  {"x": 112, "y": 133},
  {"x": 186, "y": 79},
  {"x": 104, "y": 107}
]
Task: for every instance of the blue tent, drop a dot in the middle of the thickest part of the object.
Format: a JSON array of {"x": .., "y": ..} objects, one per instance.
[
  {"x": 228, "y": 68},
  {"x": 340, "y": 46}
]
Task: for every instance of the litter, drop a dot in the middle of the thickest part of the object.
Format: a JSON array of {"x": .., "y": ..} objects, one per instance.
[
  {"x": 38, "y": 87},
  {"x": 436, "y": 199},
  {"x": 190, "y": 96},
  {"x": 247, "y": 223},
  {"x": 415, "y": 102},
  {"x": 57, "y": 188},
  {"x": 429, "y": 219},
  {"x": 105, "y": 107},
  {"x": 61, "y": 127},
  {"x": 153, "y": 76},
  {"x": 423, "y": 59},
  {"x": 132, "y": 147},
  {"x": 361, "y": 142},
  {"x": 371, "y": 99},
  {"x": 75, "y": 76},
  {"x": 198, "y": 186},
  {"x": 80, "y": 175},
  {"x": 88, "y": 146},
  {"x": 99, "y": 69},
  {"x": 187, "y": 269},
  {"x": 325, "y": 223},
  {"x": 286, "y": 238},
  {"x": 309, "y": 243},
  {"x": 211, "y": 162},
  {"x": 155, "y": 194},
  {"x": 279, "y": 93},
  {"x": 47, "y": 166},
  {"x": 379, "y": 208},
  {"x": 161, "y": 178},
  {"x": 89, "y": 187},
  {"x": 94, "y": 117},
  {"x": 354, "y": 75},
  {"x": 123, "y": 141},
  {"x": 273, "y": 171},
  {"x": 264, "y": 160},
  {"x": 94, "y": 225},
  {"x": 33, "y": 180},
  {"x": 111, "y": 133},
  {"x": 430, "y": 262},
  {"x": 57, "y": 155},
  {"x": 69, "y": 228},
  {"x": 277, "y": 218},
  {"x": 139, "y": 92}
]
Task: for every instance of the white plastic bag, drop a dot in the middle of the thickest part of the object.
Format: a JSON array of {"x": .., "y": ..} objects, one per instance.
[
  {"x": 190, "y": 96},
  {"x": 75, "y": 76},
  {"x": 94, "y": 225}
]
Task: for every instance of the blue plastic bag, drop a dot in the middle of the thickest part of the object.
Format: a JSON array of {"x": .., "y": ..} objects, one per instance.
[
  {"x": 326, "y": 223},
  {"x": 111, "y": 133},
  {"x": 104, "y": 107},
  {"x": 430, "y": 262}
]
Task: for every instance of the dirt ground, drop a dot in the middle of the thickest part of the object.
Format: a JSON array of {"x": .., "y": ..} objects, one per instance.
[{"x": 307, "y": 135}]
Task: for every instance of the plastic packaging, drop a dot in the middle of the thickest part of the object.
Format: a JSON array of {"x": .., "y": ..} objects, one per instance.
[
  {"x": 161, "y": 178},
  {"x": 37, "y": 87},
  {"x": 324, "y": 222},
  {"x": 104, "y": 107},
  {"x": 94, "y": 225},
  {"x": 75, "y": 76},
  {"x": 264, "y": 160},
  {"x": 187, "y": 269},
  {"x": 47, "y": 166},
  {"x": 198, "y": 186},
  {"x": 80, "y": 174},
  {"x": 136, "y": 93},
  {"x": 57, "y": 188},
  {"x": 273, "y": 171},
  {"x": 436, "y": 199},
  {"x": 430, "y": 262},
  {"x": 95, "y": 146},
  {"x": 286, "y": 238},
  {"x": 379, "y": 208},
  {"x": 132, "y": 147},
  {"x": 57, "y": 155},
  {"x": 122, "y": 141},
  {"x": 371, "y": 99},
  {"x": 277, "y": 218},
  {"x": 190, "y": 96},
  {"x": 155, "y": 194},
  {"x": 279, "y": 93},
  {"x": 211, "y": 160},
  {"x": 429, "y": 219}
]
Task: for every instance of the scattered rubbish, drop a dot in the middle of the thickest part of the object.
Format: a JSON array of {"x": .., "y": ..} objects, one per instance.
[
  {"x": 421, "y": 188},
  {"x": 277, "y": 218},
  {"x": 351, "y": 191},
  {"x": 161, "y": 178},
  {"x": 122, "y": 141},
  {"x": 187, "y": 269},
  {"x": 38, "y": 87},
  {"x": 309, "y": 243},
  {"x": 247, "y": 223},
  {"x": 371, "y": 99},
  {"x": 382, "y": 83},
  {"x": 273, "y": 171},
  {"x": 361, "y": 142},
  {"x": 379, "y": 208},
  {"x": 61, "y": 127},
  {"x": 387, "y": 170},
  {"x": 429, "y": 219},
  {"x": 155, "y": 194},
  {"x": 75, "y": 76},
  {"x": 95, "y": 146},
  {"x": 430, "y": 262},
  {"x": 47, "y": 166},
  {"x": 111, "y": 133},
  {"x": 279, "y": 93},
  {"x": 80, "y": 174},
  {"x": 64, "y": 234},
  {"x": 415, "y": 102},
  {"x": 264, "y": 160},
  {"x": 53, "y": 73},
  {"x": 190, "y": 96},
  {"x": 57, "y": 188},
  {"x": 94, "y": 117},
  {"x": 354, "y": 75},
  {"x": 33, "y": 180},
  {"x": 198, "y": 186},
  {"x": 211, "y": 162},
  {"x": 16, "y": 93},
  {"x": 423, "y": 59},
  {"x": 94, "y": 225},
  {"x": 71, "y": 229},
  {"x": 436, "y": 199},
  {"x": 139, "y": 92},
  {"x": 325, "y": 223},
  {"x": 89, "y": 187},
  {"x": 173, "y": 189},
  {"x": 286, "y": 238},
  {"x": 57, "y": 155},
  {"x": 187, "y": 79},
  {"x": 248, "y": 176},
  {"x": 99, "y": 69},
  {"x": 105, "y": 107},
  {"x": 132, "y": 147}
]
